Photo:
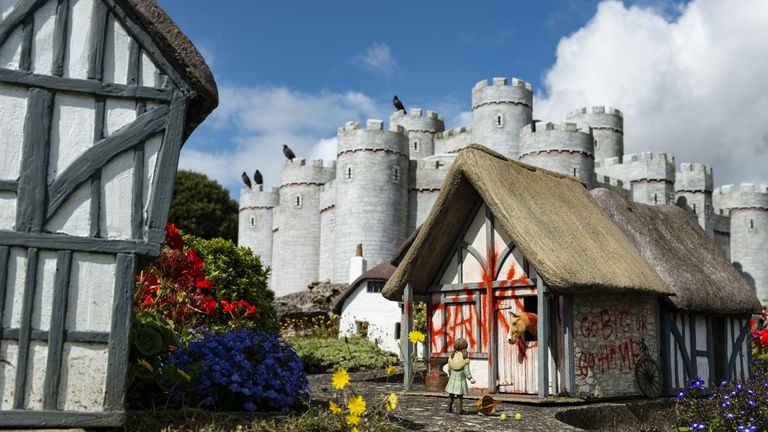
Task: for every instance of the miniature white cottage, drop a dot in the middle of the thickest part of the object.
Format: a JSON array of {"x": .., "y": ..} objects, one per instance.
[{"x": 96, "y": 98}]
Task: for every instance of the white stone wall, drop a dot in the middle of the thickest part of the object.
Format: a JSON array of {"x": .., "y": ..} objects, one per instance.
[
  {"x": 560, "y": 148},
  {"x": 607, "y": 126},
  {"x": 499, "y": 111},
  {"x": 372, "y": 202},
  {"x": 421, "y": 130},
  {"x": 607, "y": 333},
  {"x": 327, "y": 229},
  {"x": 381, "y": 314},
  {"x": 255, "y": 221}
]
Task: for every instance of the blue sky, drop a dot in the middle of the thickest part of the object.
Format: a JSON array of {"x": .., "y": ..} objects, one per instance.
[{"x": 689, "y": 76}]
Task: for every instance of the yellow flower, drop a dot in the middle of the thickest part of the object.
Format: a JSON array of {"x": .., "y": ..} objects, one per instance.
[
  {"x": 340, "y": 379},
  {"x": 354, "y": 429},
  {"x": 333, "y": 407},
  {"x": 145, "y": 364},
  {"x": 416, "y": 336},
  {"x": 390, "y": 370},
  {"x": 184, "y": 375},
  {"x": 356, "y": 405},
  {"x": 391, "y": 402},
  {"x": 353, "y": 420}
]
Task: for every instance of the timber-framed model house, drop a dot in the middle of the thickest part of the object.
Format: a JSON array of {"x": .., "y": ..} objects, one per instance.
[{"x": 96, "y": 99}]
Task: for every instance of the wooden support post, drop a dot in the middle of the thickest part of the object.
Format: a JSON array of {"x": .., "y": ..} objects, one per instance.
[
  {"x": 406, "y": 325},
  {"x": 568, "y": 354},
  {"x": 543, "y": 337}
]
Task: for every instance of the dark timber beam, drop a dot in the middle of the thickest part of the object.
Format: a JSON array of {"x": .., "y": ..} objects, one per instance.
[
  {"x": 8, "y": 186},
  {"x": 97, "y": 156},
  {"x": 28, "y": 30},
  {"x": 28, "y": 299},
  {"x": 117, "y": 364},
  {"x": 60, "y": 37},
  {"x": 75, "y": 85},
  {"x": 56, "y": 332},
  {"x": 17, "y": 16},
  {"x": 30, "y": 207},
  {"x": 4, "y": 253},
  {"x": 134, "y": 67},
  {"x": 97, "y": 41},
  {"x": 69, "y": 336},
  {"x": 80, "y": 244},
  {"x": 60, "y": 419}
]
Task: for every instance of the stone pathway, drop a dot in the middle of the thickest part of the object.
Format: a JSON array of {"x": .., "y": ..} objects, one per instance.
[{"x": 419, "y": 412}]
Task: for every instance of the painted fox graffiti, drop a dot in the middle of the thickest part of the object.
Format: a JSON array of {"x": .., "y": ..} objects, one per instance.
[{"x": 519, "y": 323}]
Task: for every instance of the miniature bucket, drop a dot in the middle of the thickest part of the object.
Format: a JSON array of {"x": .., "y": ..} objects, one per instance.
[{"x": 486, "y": 405}]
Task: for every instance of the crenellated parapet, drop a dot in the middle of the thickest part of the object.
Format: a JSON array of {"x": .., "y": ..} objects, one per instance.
[
  {"x": 743, "y": 196},
  {"x": 502, "y": 91},
  {"x": 373, "y": 138},
  {"x": 607, "y": 125},
  {"x": 258, "y": 199},
  {"x": 693, "y": 177},
  {"x": 453, "y": 140},
  {"x": 417, "y": 120},
  {"x": 563, "y": 148},
  {"x": 649, "y": 166},
  {"x": 328, "y": 196},
  {"x": 302, "y": 172}
]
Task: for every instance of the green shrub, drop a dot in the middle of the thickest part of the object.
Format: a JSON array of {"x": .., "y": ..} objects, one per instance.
[
  {"x": 237, "y": 274},
  {"x": 321, "y": 355}
]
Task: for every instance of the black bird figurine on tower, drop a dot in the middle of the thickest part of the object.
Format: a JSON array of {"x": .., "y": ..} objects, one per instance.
[
  {"x": 398, "y": 105},
  {"x": 246, "y": 180},
  {"x": 258, "y": 178},
  {"x": 288, "y": 153}
]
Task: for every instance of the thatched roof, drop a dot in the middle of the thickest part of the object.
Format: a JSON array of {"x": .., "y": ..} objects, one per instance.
[
  {"x": 674, "y": 244},
  {"x": 551, "y": 217},
  {"x": 179, "y": 50},
  {"x": 381, "y": 272}
]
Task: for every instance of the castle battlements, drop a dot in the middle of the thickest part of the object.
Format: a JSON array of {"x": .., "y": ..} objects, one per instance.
[
  {"x": 502, "y": 82},
  {"x": 743, "y": 196},
  {"x": 605, "y": 181},
  {"x": 302, "y": 172},
  {"x": 539, "y": 127},
  {"x": 452, "y": 132},
  {"x": 502, "y": 91},
  {"x": 257, "y": 199},
  {"x": 550, "y": 137},
  {"x": 417, "y": 112},
  {"x": 694, "y": 177},
  {"x": 649, "y": 157},
  {"x": 598, "y": 109},
  {"x": 607, "y": 162}
]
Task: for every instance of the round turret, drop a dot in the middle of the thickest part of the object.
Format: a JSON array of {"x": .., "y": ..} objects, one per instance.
[
  {"x": 560, "y": 148},
  {"x": 693, "y": 191},
  {"x": 372, "y": 183},
  {"x": 297, "y": 259},
  {"x": 421, "y": 130},
  {"x": 254, "y": 229},
  {"x": 747, "y": 206},
  {"x": 499, "y": 111},
  {"x": 607, "y": 127}
]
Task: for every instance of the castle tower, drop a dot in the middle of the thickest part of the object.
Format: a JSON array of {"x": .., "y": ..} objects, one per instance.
[
  {"x": 372, "y": 182},
  {"x": 607, "y": 126},
  {"x": 426, "y": 182},
  {"x": 254, "y": 228},
  {"x": 327, "y": 227},
  {"x": 296, "y": 255},
  {"x": 748, "y": 209},
  {"x": 693, "y": 191},
  {"x": 560, "y": 148},
  {"x": 499, "y": 111},
  {"x": 421, "y": 130}
]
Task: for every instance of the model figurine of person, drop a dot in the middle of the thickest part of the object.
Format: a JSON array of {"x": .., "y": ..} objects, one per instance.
[{"x": 458, "y": 374}]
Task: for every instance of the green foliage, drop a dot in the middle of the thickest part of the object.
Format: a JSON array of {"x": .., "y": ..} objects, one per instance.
[
  {"x": 151, "y": 337},
  {"x": 420, "y": 316},
  {"x": 322, "y": 355},
  {"x": 237, "y": 274},
  {"x": 201, "y": 207}
]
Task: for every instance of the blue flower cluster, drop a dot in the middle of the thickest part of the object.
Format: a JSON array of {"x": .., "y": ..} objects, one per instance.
[
  {"x": 729, "y": 406},
  {"x": 239, "y": 370}
]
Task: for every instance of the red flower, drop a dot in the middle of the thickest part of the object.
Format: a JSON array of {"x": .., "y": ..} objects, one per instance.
[
  {"x": 205, "y": 284},
  {"x": 209, "y": 306},
  {"x": 752, "y": 323},
  {"x": 173, "y": 238},
  {"x": 764, "y": 337},
  {"x": 251, "y": 310},
  {"x": 228, "y": 307}
]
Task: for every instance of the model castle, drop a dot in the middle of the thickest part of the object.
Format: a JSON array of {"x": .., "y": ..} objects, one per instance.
[{"x": 384, "y": 181}]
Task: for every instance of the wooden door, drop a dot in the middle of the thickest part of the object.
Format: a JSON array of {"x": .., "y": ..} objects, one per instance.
[{"x": 517, "y": 364}]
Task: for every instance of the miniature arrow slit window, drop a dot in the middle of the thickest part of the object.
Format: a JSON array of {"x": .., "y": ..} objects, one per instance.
[
  {"x": 299, "y": 201},
  {"x": 416, "y": 146},
  {"x": 348, "y": 172},
  {"x": 396, "y": 175},
  {"x": 499, "y": 120}
]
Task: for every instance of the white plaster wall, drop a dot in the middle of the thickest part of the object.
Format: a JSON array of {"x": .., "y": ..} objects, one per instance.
[
  {"x": 17, "y": 275},
  {"x": 116, "y": 193},
  {"x": 118, "y": 112},
  {"x": 148, "y": 71},
  {"x": 71, "y": 130},
  {"x": 74, "y": 216},
  {"x": 38, "y": 356},
  {"x": 78, "y": 35},
  {"x": 9, "y": 350},
  {"x": 151, "y": 150},
  {"x": 13, "y": 109},
  {"x": 10, "y": 51},
  {"x": 91, "y": 288},
  {"x": 116, "y": 52},
  {"x": 44, "y": 281},
  {"x": 83, "y": 377},
  {"x": 7, "y": 210},
  {"x": 42, "y": 44},
  {"x": 381, "y": 314}
]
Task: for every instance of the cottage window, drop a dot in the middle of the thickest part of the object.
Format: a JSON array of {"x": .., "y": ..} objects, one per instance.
[
  {"x": 416, "y": 146},
  {"x": 530, "y": 304},
  {"x": 396, "y": 175},
  {"x": 374, "y": 286},
  {"x": 499, "y": 120},
  {"x": 299, "y": 201}
]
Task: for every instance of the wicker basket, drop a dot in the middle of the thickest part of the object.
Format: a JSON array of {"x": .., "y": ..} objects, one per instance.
[{"x": 486, "y": 405}]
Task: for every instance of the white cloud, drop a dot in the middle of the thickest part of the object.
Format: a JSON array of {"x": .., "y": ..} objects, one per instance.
[
  {"x": 260, "y": 120},
  {"x": 694, "y": 86},
  {"x": 378, "y": 58}
]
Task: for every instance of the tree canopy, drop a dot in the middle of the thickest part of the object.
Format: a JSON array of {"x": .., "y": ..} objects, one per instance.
[{"x": 202, "y": 207}]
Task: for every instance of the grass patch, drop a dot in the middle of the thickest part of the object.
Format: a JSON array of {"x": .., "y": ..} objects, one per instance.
[{"x": 324, "y": 355}]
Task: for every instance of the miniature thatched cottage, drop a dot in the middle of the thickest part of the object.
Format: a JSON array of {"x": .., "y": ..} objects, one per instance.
[
  {"x": 96, "y": 99},
  {"x": 704, "y": 327},
  {"x": 507, "y": 237}
]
